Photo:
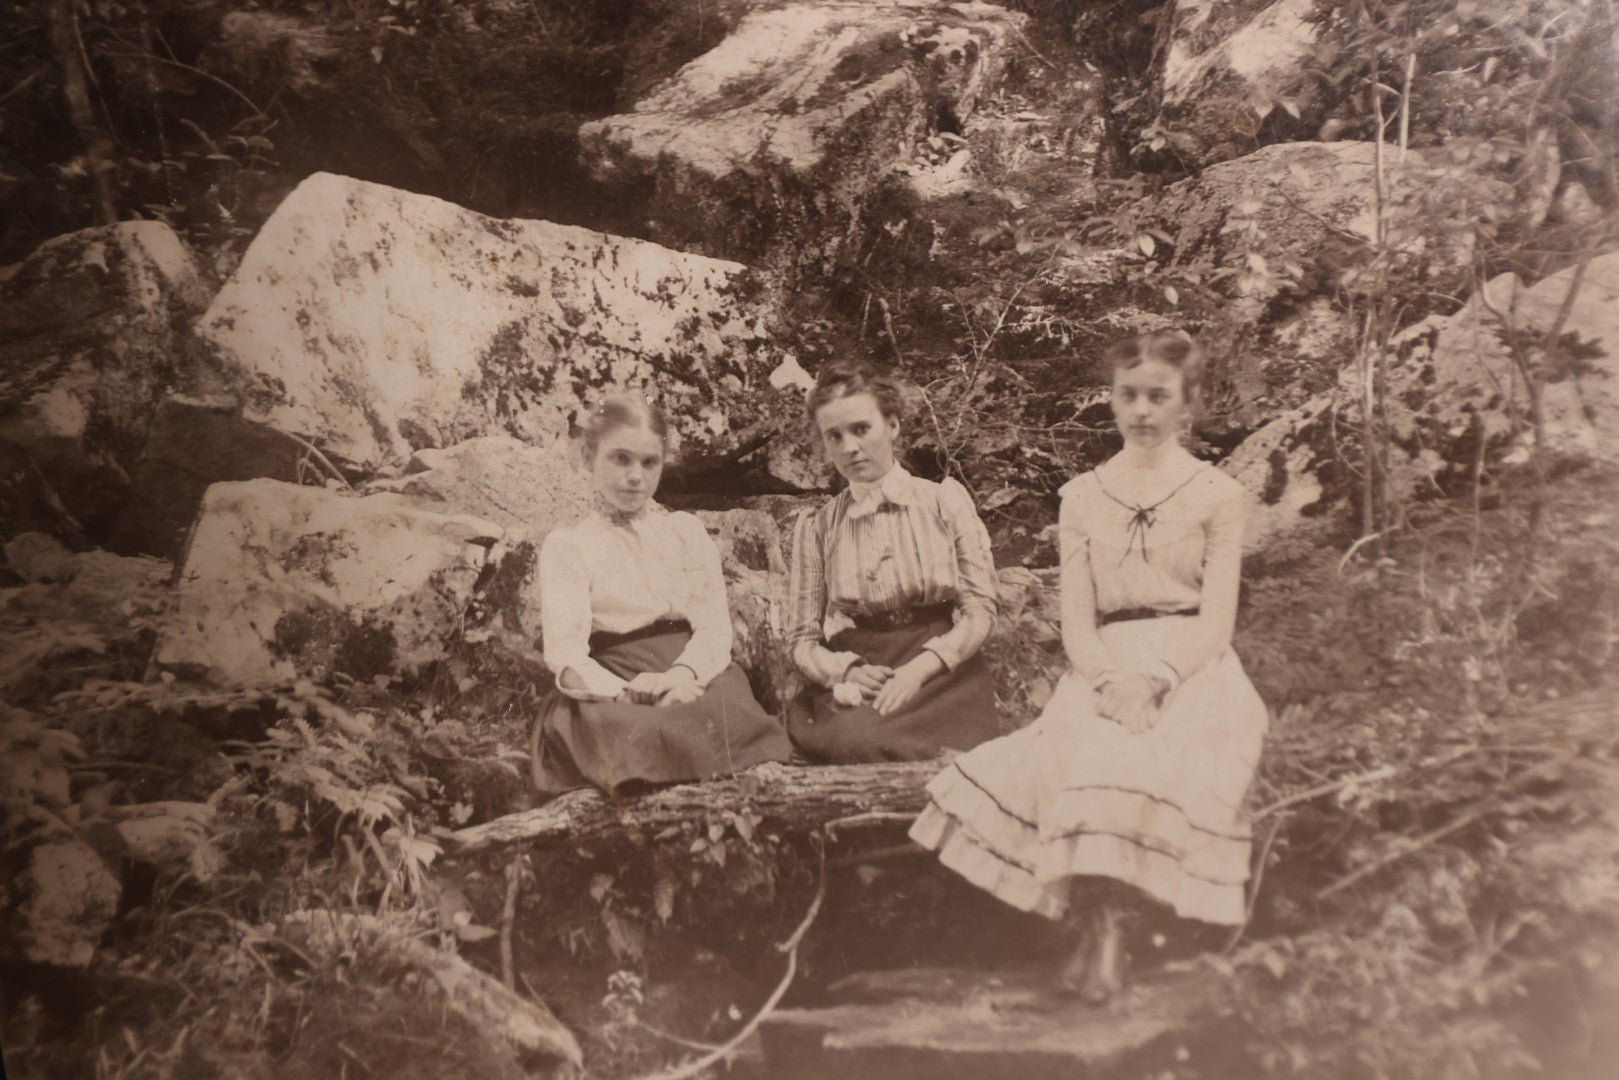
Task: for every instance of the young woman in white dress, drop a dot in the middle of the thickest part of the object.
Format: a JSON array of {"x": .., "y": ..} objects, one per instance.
[
  {"x": 638, "y": 632},
  {"x": 1137, "y": 770}
]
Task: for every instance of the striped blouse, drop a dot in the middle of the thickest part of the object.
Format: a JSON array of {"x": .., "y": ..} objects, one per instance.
[{"x": 903, "y": 542}]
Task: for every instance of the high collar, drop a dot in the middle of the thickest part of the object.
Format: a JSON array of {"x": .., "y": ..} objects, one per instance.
[
  {"x": 894, "y": 487},
  {"x": 614, "y": 516}
]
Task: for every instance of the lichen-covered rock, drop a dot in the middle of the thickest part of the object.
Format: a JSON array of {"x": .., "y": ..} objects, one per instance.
[
  {"x": 281, "y": 581},
  {"x": 168, "y": 835},
  {"x": 59, "y": 905},
  {"x": 1225, "y": 66},
  {"x": 527, "y": 490},
  {"x": 1452, "y": 385},
  {"x": 92, "y": 333},
  {"x": 1288, "y": 222},
  {"x": 765, "y": 147},
  {"x": 194, "y": 442},
  {"x": 375, "y": 322}
]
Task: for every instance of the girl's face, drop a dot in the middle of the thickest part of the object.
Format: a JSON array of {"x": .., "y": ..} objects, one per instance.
[
  {"x": 1149, "y": 403},
  {"x": 627, "y": 466},
  {"x": 858, "y": 437}
]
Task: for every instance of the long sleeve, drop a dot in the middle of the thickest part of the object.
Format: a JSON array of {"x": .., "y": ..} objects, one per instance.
[
  {"x": 975, "y": 571},
  {"x": 806, "y": 608},
  {"x": 1222, "y": 577},
  {"x": 566, "y": 623},
  {"x": 709, "y": 651},
  {"x": 1086, "y": 652}
]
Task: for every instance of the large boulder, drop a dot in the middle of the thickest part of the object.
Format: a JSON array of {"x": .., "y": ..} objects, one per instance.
[
  {"x": 1225, "y": 66},
  {"x": 1272, "y": 230},
  {"x": 527, "y": 490},
  {"x": 766, "y": 147},
  {"x": 92, "y": 333},
  {"x": 1455, "y": 395},
  {"x": 281, "y": 581},
  {"x": 374, "y": 322},
  {"x": 194, "y": 442}
]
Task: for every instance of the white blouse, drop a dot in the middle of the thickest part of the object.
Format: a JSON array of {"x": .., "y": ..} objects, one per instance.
[{"x": 598, "y": 575}]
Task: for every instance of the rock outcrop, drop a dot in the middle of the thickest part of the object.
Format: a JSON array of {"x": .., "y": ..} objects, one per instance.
[
  {"x": 92, "y": 333},
  {"x": 1226, "y": 66},
  {"x": 526, "y": 490},
  {"x": 1456, "y": 398},
  {"x": 194, "y": 442},
  {"x": 374, "y": 323},
  {"x": 765, "y": 147},
  {"x": 1288, "y": 222},
  {"x": 281, "y": 581}
]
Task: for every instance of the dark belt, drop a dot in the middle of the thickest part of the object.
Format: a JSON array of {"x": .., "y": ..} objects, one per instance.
[
  {"x": 603, "y": 639},
  {"x": 904, "y": 618},
  {"x": 1131, "y": 614}
]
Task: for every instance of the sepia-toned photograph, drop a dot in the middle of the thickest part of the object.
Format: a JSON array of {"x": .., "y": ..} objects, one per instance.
[{"x": 809, "y": 540}]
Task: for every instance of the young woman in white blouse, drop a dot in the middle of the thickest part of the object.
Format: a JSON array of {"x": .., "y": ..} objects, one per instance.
[
  {"x": 891, "y": 597},
  {"x": 1137, "y": 770},
  {"x": 638, "y": 632}
]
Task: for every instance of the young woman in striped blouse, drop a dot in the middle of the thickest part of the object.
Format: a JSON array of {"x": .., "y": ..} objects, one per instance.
[{"x": 892, "y": 594}]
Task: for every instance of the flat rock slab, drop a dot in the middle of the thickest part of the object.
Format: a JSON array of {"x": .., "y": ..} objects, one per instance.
[
  {"x": 939, "y": 1024},
  {"x": 282, "y": 581},
  {"x": 376, "y": 322},
  {"x": 796, "y": 115}
]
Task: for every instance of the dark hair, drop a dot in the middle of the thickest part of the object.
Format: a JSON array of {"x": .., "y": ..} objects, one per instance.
[
  {"x": 618, "y": 410},
  {"x": 846, "y": 378},
  {"x": 1173, "y": 347}
]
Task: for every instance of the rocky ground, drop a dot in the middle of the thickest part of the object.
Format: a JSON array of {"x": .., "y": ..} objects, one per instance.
[{"x": 278, "y": 443}]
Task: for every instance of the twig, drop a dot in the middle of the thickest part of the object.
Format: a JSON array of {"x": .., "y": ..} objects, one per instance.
[
  {"x": 882, "y": 854},
  {"x": 1381, "y": 773},
  {"x": 790, "y": 947},
  {"x": 1037, "y": 54},
  {"x": 653, "y": 1029},
  {"x": 139, "y": 54},
  {"x": 873, "y": 817},
  {"x": 508, "y": 916},
  {"x": 1461, "y": 822},
  {"x": 1405, "y": 104},
  {"x": 314, "y": 452},
  {"x": 888, "y": 329},
  {"x": 1356, "y": 546},
  {"x": 1253, "y": 890}
]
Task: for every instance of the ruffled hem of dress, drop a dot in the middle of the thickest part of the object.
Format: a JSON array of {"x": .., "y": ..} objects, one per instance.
[
  {"x": 982, "y": 866},
  {"x": 1163, "y": 877},
  {"x": 1002, "y": 853},
  {"x": 1205, "y": 847}
]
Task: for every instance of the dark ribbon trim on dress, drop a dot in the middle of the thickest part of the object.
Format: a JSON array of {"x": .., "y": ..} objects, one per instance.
[
  {"x": 1134, "y": 614},
  {"x": 904, "y": 618},
  {"x": 604, "y": 639}
]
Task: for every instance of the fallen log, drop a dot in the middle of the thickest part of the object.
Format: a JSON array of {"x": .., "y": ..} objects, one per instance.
[
  {"x": 527, "y": 1025},
  {"x": 795, "y": 800}
]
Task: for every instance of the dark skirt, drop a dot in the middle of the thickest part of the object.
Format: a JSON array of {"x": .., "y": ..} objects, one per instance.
[
  {"x": 610, "y": 744},
  {"x": 954, "y": 711}
]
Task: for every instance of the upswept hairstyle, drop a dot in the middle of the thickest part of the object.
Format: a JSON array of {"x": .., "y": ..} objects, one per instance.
[
  {"x": 845, "y": 378},
  {"x": 617, "y": 410},
  {"x": 1173, "y": 347}
]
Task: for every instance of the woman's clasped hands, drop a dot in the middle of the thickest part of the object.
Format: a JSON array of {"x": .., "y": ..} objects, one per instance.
[
  {"x": 886, "y": 689},
  {"x": 677, "y": 686},
  {"x": 1131, "y": 700}
]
